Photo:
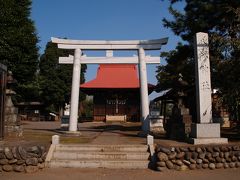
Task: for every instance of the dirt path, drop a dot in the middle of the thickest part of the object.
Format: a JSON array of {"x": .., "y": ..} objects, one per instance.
[{"x": 118, "y": 174}]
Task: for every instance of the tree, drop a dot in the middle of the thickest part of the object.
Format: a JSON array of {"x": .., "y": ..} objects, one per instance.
[
  {"x": 221, "y": 20},
  {"x": 179, "y": 65},
  {"x": 56, "y": 79},
  {"x": 18, "y": 45}
]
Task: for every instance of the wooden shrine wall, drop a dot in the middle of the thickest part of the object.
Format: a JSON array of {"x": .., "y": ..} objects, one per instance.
[{"x": 128, "y": 103}]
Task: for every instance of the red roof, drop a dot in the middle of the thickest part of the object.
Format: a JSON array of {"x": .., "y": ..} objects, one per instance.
[{"x": 115, "y": 76}]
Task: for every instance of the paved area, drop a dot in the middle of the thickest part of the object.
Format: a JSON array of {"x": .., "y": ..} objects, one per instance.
[{"x": 118, "y": 174}]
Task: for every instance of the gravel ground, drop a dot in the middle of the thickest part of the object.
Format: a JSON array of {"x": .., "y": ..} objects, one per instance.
[{"x": 118, "y": 174}]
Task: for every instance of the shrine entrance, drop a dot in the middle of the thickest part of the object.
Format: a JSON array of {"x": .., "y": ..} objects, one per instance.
[
  {"x": 122, "y": 108},
  {"x": 116, "y": 109},
  {"x": 136, "y": 45},
  {"x": 116, "y": 106}
]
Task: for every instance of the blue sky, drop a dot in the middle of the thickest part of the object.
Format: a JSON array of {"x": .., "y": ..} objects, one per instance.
[{"x": 104, "y": 20}]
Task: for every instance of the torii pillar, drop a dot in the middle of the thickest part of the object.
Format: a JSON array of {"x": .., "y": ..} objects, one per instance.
[
  {"x": 143, "y": 91},
  {"x": 75, "y": 91}
]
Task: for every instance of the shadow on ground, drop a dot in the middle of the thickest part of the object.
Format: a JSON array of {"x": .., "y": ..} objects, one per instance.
[{"x": 120, "y": 129}]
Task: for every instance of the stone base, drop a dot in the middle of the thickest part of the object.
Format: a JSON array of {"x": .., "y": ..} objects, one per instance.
[
  {"x": 116, "y": 118},
  {"x": 72, "y": 133},
  {"x": 197, "y": 141},
  {"x": 207, "y": 130},
  {"x": 13, "y": 131},
  {"x": 208, "y": 133},
  {"x": 226, "y": 124},
  {"x": 157, "y": 130}
]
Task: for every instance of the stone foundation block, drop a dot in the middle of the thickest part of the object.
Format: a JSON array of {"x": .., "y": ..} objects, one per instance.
[
  {"x": 211, "y": 130},
  {"x": 206, "y": 133}
]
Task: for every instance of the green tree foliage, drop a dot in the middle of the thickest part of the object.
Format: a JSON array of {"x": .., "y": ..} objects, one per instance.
[
  {"x": 56, "y": 79},
  {"x": 87, "y": 105},
  {"x": 18, "y": 45},
  {"x": 179, "y": 65},
  {"x": 221, "y": 20}
]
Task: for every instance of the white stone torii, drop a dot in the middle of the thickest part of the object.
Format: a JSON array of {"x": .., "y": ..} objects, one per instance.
[{"x": 77, "y": 60}]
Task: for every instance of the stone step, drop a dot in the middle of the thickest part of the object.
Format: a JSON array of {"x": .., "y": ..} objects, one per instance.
[
  {"x": 111, "y": 164},
  {"x": 101, "y": 155},
  {"x": 103, "y": 148}
]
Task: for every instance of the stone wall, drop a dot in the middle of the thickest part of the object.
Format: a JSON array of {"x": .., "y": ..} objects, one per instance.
[
  {"x": 22, "y": 159},
  {"x": 197, "y": 157}
]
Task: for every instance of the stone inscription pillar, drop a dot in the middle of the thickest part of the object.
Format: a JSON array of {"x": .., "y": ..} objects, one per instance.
[
  {"x": 203, "y": 80},
  {"x": 143, "y": 91},
  {"x": 204, "y": 131},
  {"x": 75, "y": 91}
]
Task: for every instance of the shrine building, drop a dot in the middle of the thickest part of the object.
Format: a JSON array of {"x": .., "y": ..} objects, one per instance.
[{"x": 116, "y": 93}]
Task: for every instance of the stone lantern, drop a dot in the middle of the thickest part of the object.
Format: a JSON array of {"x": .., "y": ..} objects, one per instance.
[{"x": 12, "y": 124}]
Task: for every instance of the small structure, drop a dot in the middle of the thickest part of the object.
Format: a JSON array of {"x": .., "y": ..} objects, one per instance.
[
  {"x": 30, "y": 111},
  {"x": 156, "y": 119},
  {"x": 220, "y": 110},
  {"x": 176, "y": 107},
  {"x": 66, "y": 111},
  {"x": 115, "y": 91},
  {"x": 3, "y": 81}
]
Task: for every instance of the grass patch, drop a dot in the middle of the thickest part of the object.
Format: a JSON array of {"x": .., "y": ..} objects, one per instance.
[
  {"x": 46, "y": 137},
  {"x": 43, "y": 137},
  {"x": 74, "y": 140}
]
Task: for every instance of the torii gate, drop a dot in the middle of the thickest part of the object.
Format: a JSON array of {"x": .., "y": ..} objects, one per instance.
[{"x": 109, "y": 46}]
